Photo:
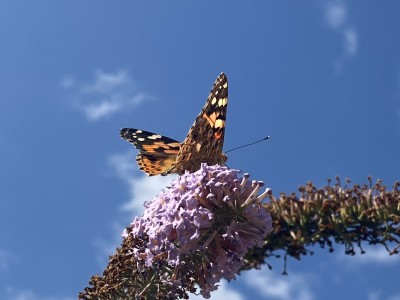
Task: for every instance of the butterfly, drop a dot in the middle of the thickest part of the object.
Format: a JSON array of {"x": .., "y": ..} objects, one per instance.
[{"x": 160, "y": 155}]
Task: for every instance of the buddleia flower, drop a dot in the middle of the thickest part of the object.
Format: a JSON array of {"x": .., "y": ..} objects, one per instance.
[{"x": 200, "y": 228}]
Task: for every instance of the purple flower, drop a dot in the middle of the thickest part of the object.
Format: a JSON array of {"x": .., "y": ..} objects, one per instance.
[{"x": 207, "y": 219}]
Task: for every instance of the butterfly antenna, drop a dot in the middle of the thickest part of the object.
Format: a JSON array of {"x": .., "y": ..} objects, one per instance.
[{"x": 266, "y": 138}]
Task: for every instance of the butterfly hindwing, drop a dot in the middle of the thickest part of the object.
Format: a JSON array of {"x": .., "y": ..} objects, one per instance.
[
  {"x": 157, "y": 153},
  {"x": 203, "y": 144}
]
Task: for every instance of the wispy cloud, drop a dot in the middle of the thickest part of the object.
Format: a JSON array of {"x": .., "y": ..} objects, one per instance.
[
  {"x": 336, "y": 16},
  {"x": 268, "y": 284},
  {"x": 107, "y": 246},
  {"x": 376, "y": 254},
  {"x": 6, "y": 259},
  {"x": 223, "y": 292},
  {"x": 105, "y": 95},
  {"x": 141, "y": 187},
  {"x": 378, "y": 295},
  {"x": 20, "y": 294},
  {"x": 394, "y": 297},
  {"x": 351, "y": 41}
]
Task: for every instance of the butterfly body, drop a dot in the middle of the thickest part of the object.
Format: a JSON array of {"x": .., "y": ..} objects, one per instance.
[{"x": 160, "y": 155}]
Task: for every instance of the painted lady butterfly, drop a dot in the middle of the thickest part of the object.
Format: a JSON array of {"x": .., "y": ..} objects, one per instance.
[{"x": 203, "y": 144}]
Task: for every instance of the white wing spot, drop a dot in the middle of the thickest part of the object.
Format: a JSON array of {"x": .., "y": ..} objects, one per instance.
[
  {"x": 219, "y": 123},
  {"x": 222, "y": 102},
  {"x": 198, "y": 147}
]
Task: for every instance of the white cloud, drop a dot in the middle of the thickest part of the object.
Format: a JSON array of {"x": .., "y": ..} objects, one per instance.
[
  {"x": 351, "y": 41},
  {"x": 269, "y": 284},
  {"x": 106, "y": 247},
  {"x": 394, "y": 297},
  {"x": 373, "y": 254},
  {"x": 103, "y": 108},
  {"x": 378, "y": 295},
  {"x": 107, "y": 94},
  {"x": 107, "y": 82},
  {"x": 18, "y": 294},
  {"x": 21, "y": 295},
  {"x": 68, "y": 82},
  {"x": 6, "y": 259},
  {"x": 142, "y": 188},
  {"x": 223, "y": 292},
  {"x": 336, "y": 16}
]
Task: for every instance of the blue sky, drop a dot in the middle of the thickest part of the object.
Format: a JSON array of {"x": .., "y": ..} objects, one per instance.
[{"x": 321, "y": 77}]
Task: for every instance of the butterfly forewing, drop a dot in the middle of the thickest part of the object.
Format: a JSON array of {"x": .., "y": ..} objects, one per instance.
[
  {"x": 205, "y": 139},
  {"x": 203, "y": 144}
]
